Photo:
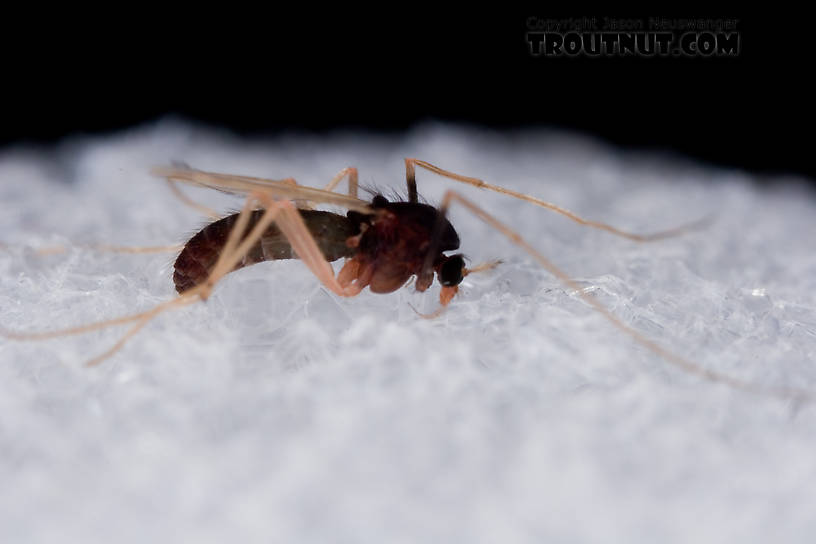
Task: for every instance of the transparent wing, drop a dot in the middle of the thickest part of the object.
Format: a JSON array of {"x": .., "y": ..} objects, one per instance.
[{"x": 243, "y": 185}]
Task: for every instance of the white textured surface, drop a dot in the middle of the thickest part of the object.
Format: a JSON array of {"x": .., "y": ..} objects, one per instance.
[{"x": 277, "y": 412}]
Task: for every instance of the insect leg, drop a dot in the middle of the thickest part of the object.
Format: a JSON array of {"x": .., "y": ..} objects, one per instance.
[
  {"x": 104, "y": 248},
  {"x": 674, "y": 359},
  {"x": 351, "y": 172},
  {"x": 244, "y": 185},
  {"x": 410, "y": 179},
  {"x": 178, "y": 193},
  {"x": 227, "y": 260},
  {"x": 236, "y": 246},
  {"x": 291, "y": 224},
  {"x": 410, "y": 165}
]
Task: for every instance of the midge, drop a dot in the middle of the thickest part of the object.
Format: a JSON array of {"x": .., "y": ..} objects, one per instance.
[{"x": 385, "y": 244}]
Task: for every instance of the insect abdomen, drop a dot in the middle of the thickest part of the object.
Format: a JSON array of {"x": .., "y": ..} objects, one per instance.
[{"x": 197, "y": 259}]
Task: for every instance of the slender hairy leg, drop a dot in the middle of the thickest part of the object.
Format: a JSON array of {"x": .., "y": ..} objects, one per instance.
[
  {"x": 226, "y": 261},
  {"x": 106, "y": 248},
  {"x": 291, "y": 224},
  {"x": 230, "y": 255},
  {"x": 178, "y": 193},
  {"x": 206, "y": 210},
  {"x": 410, "y": 173},
  {"x": 141, "y": 319},
  {"x": 353, "y": 183},
  {"x": 351, "y": 172},
  {"x": 410, "y": 179},
  {"x": 209, "y": 212},
  {"x": 674, "y": 359},
  {"x": 244, "y": 185}
]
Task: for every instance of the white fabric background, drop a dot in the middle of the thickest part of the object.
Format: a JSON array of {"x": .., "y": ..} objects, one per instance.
[{"x": 278, "y": 412}]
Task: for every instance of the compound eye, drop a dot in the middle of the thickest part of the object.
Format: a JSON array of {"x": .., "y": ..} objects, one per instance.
[{"x": 452, "y": 271}]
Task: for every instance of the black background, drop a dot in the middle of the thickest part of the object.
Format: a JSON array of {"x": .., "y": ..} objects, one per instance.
[{"x": 259, "y": 74}]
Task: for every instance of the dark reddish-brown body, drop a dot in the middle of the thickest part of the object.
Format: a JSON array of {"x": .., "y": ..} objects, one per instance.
[{"x": 384, "y": 248}]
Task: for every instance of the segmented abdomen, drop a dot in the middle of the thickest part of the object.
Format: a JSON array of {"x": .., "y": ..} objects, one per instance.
[{"x": 197, "y": 259}]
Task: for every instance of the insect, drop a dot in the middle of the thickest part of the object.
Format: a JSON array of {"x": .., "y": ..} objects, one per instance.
[{"x": 385, "y": 244}]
